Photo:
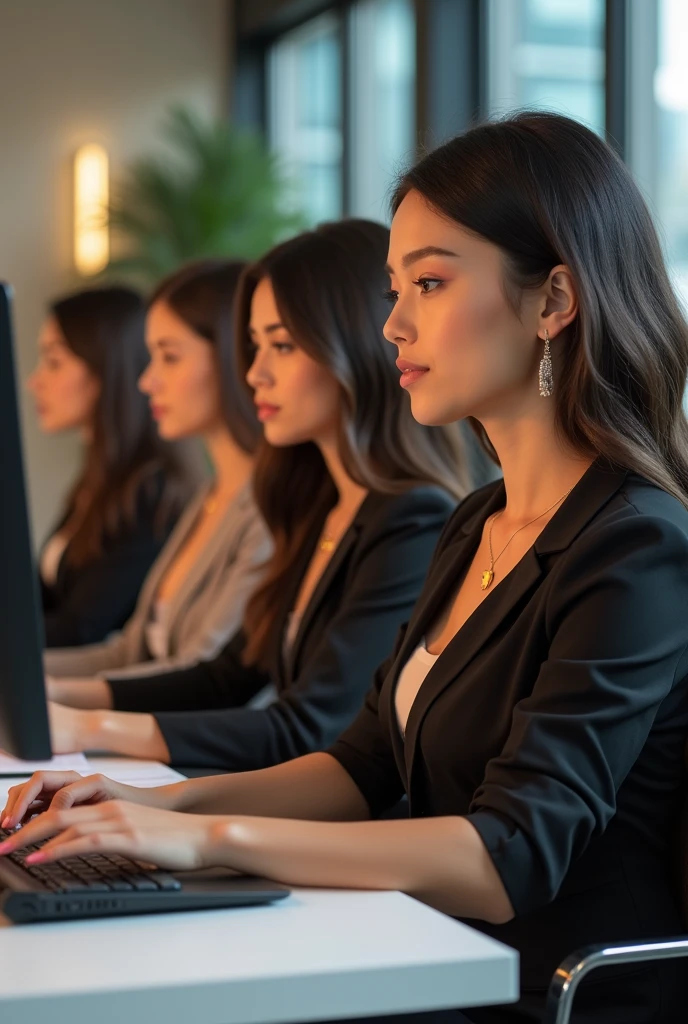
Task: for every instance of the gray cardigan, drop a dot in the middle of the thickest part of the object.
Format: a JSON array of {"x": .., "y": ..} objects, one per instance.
[{"x": 204, "y": 613}]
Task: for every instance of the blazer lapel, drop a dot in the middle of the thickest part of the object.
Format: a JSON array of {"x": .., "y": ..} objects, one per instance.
[
  {"x": 216, "y": 542},
  {"x": 338, "y": 558},
  {"x": 594, "y": 489}
]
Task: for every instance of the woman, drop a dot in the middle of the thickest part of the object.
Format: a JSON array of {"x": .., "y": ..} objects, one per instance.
[
  {"x": 131, "y": 487},
  {"x": 535, "y": 707},
  {"x": 355, "y": 493},
  {"x": 194, "y": 596}
]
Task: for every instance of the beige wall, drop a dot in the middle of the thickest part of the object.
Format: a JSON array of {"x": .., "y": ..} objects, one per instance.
[{"x": 73, "y": 71}]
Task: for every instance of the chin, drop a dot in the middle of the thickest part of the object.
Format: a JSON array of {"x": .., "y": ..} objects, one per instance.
[{"x": 430, "y": 414}]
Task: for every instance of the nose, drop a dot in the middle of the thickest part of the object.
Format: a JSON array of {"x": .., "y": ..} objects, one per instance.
[
  {"x": 32, "y": 382},
  {"x": 398, "y": 329},
  {"x": 146, "y": 381},
  {"x": 258, "y": 374}
]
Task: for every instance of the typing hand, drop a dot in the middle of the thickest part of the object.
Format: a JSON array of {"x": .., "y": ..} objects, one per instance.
[
  {"x": 167, "y": 839},
  {"x": 60, "y": 791}
]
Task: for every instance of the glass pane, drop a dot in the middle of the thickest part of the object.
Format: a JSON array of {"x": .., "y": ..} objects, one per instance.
[
  {"x": 547, "y": 54},
  {"x": 382, "y": 101},
  {"x": 305, "y": 114},
  {"x": 671, "y": 137}
]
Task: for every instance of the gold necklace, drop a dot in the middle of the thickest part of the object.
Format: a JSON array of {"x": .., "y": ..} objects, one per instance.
[{"x": 488, "y": 575}]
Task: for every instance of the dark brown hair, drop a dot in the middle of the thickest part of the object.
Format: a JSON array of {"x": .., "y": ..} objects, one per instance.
[
  {"x": 546, "y": 190},
  {"x": 329, "y": 285},
  {"x": 105, "y": 328},
  {"x": 202, "y": 294}
]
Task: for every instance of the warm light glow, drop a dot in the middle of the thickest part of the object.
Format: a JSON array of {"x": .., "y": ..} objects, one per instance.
[{"x": 91, "y": 196}]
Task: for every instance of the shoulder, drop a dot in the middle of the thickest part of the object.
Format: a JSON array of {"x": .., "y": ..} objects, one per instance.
[
  {"x": 637, "y": 541},
  {"x": 640, "y": 510},
  {"x": 422, "y": 503}
]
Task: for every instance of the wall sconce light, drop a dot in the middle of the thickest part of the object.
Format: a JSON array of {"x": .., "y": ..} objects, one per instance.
[{"x": 91, "y": 197}]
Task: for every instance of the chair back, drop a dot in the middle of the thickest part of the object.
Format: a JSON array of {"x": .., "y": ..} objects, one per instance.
[{"x": 682, "y": 849}]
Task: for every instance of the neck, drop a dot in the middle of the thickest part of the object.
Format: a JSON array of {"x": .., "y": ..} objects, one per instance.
[
  {"x": 232, "y": 466},
  {"x": 350, "y": 493},
  {"x": 538, "y": 466}
]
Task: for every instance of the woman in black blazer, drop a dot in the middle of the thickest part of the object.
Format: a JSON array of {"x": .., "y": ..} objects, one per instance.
[
  {"x": 355, "y": 519},
  {"x": 535, "y": 707},
  {"x": 131, "y": 486}
]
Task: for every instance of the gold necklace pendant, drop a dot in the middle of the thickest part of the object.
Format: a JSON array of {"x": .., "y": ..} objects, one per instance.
[{"x": 486, "y": 579}]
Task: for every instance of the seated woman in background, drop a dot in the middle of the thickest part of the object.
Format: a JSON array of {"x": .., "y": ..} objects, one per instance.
[
  {"x": 131, "y": 487},
  {"x": 355, "y": 493},
  {"x": 535, "y": 708},
  {"x": 194, "y": 596}
]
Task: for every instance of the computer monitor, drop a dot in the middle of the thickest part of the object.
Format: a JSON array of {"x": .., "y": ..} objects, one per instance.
[{"x": 24, "y": 730}]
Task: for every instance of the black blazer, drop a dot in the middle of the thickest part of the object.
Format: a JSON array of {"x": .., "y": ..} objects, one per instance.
[
  {"x": 555, "y": 722},
  {"x": 88, "y": 602},
  {"x": 368, "y": 588}
]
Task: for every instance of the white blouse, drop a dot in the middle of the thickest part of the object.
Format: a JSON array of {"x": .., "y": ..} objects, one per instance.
[{"x": 410, "y": 681}]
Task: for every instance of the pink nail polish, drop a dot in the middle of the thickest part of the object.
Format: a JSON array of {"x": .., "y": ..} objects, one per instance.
[
  {"x": 6, "y": 822},
  {"x": 35, "y": 858}
]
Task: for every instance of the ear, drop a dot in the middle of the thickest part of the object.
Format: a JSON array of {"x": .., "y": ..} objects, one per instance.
[{"x": 560, "y": 305}]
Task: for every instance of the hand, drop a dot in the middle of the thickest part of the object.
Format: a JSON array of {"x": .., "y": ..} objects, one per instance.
[
  {"x": 167, "y": 839},
  {"x": 70, "y": 728},
  {"x": 61, "y": 791}
]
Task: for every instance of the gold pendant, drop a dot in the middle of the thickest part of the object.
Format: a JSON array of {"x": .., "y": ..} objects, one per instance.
[
  {"x": 326, "y": 544},
  {"x": 487, "y": 578}
]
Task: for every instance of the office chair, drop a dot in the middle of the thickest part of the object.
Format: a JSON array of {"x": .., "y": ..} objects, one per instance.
[{"x": 575, "y": 967}]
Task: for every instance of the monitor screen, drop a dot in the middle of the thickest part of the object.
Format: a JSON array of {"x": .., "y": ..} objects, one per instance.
[{"x": 24, "y": 730}]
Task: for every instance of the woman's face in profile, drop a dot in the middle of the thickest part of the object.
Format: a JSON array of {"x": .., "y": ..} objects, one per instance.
[
  {"x": 182, "y": 377},
  {"x": 64, "y": 388},
  {"x": 463, "y": 350},
  {"x": 297, "y": 399}
]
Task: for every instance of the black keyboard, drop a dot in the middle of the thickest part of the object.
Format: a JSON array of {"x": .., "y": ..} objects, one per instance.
[{"x": 92, "y": 873}]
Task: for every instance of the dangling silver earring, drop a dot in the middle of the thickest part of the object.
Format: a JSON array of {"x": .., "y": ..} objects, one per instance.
[{"x": 546, "y": 377}]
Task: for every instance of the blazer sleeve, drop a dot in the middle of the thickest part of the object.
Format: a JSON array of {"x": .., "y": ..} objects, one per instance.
[
  {"x": 312, "y": 711},
  {"x": 617, "y": 627},
  {"x": 223, "y": 682},
  {"x": 99, "y": 597}
]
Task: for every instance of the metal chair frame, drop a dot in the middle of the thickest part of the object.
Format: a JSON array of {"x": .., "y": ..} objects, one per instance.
[{"x": 569, "y": 975}]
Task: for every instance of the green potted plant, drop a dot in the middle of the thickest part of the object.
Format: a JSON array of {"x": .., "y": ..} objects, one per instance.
[{"x": 221, "y": 194}]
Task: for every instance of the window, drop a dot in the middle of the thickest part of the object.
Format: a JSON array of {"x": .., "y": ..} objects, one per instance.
[
  {"x": 383, "y": 89},
  {"x": 305, "y": 113},
  {"x": 344, "y": 164},
  {"x": 547, "y": 54}
]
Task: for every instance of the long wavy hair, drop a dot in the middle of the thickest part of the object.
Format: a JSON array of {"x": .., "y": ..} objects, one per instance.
[
  {"x": 105, "y": 328},
  {"x": 202, "y": 295},
  {"x": 329, "y": 286},
  {"x": 546, "y": 190}
]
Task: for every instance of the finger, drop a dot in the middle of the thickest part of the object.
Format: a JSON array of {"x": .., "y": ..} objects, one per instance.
[
  {"x": 48, "y": 824},
  {"x": 78, "y": 845},
  {"x": 20, "y": 797},
  {"x": 83, "y": 790},
  {"x": 78, "y": 831}
]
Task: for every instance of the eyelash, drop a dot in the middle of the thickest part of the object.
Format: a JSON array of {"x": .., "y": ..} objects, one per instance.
[
  {"x": 279, "y": 346},
  {"x": 392, "y": 296}
]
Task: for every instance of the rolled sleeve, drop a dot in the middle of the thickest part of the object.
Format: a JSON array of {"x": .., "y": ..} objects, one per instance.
[{"x": 617, "y": 632}]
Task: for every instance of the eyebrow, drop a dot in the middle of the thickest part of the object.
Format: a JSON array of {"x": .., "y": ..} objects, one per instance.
[
  {"x": 420, "y": 254},
  {"x": 270, "y": 329}
]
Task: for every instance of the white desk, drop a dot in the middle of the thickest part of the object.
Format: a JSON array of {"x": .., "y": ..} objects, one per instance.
[{"x": 318, "y": 955}]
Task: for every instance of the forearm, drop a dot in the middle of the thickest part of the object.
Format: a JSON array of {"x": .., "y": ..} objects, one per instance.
[
  {"x": 122, "y": 733},
  {"x": 441, "y": 861},
  {"x": 314, "y": 787},
  {"x": 80, "y": 693}
]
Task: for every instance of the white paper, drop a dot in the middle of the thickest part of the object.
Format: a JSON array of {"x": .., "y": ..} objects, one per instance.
[
  {"x": 132, "y": 772},
  {"x": 13, "y": 766}
]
